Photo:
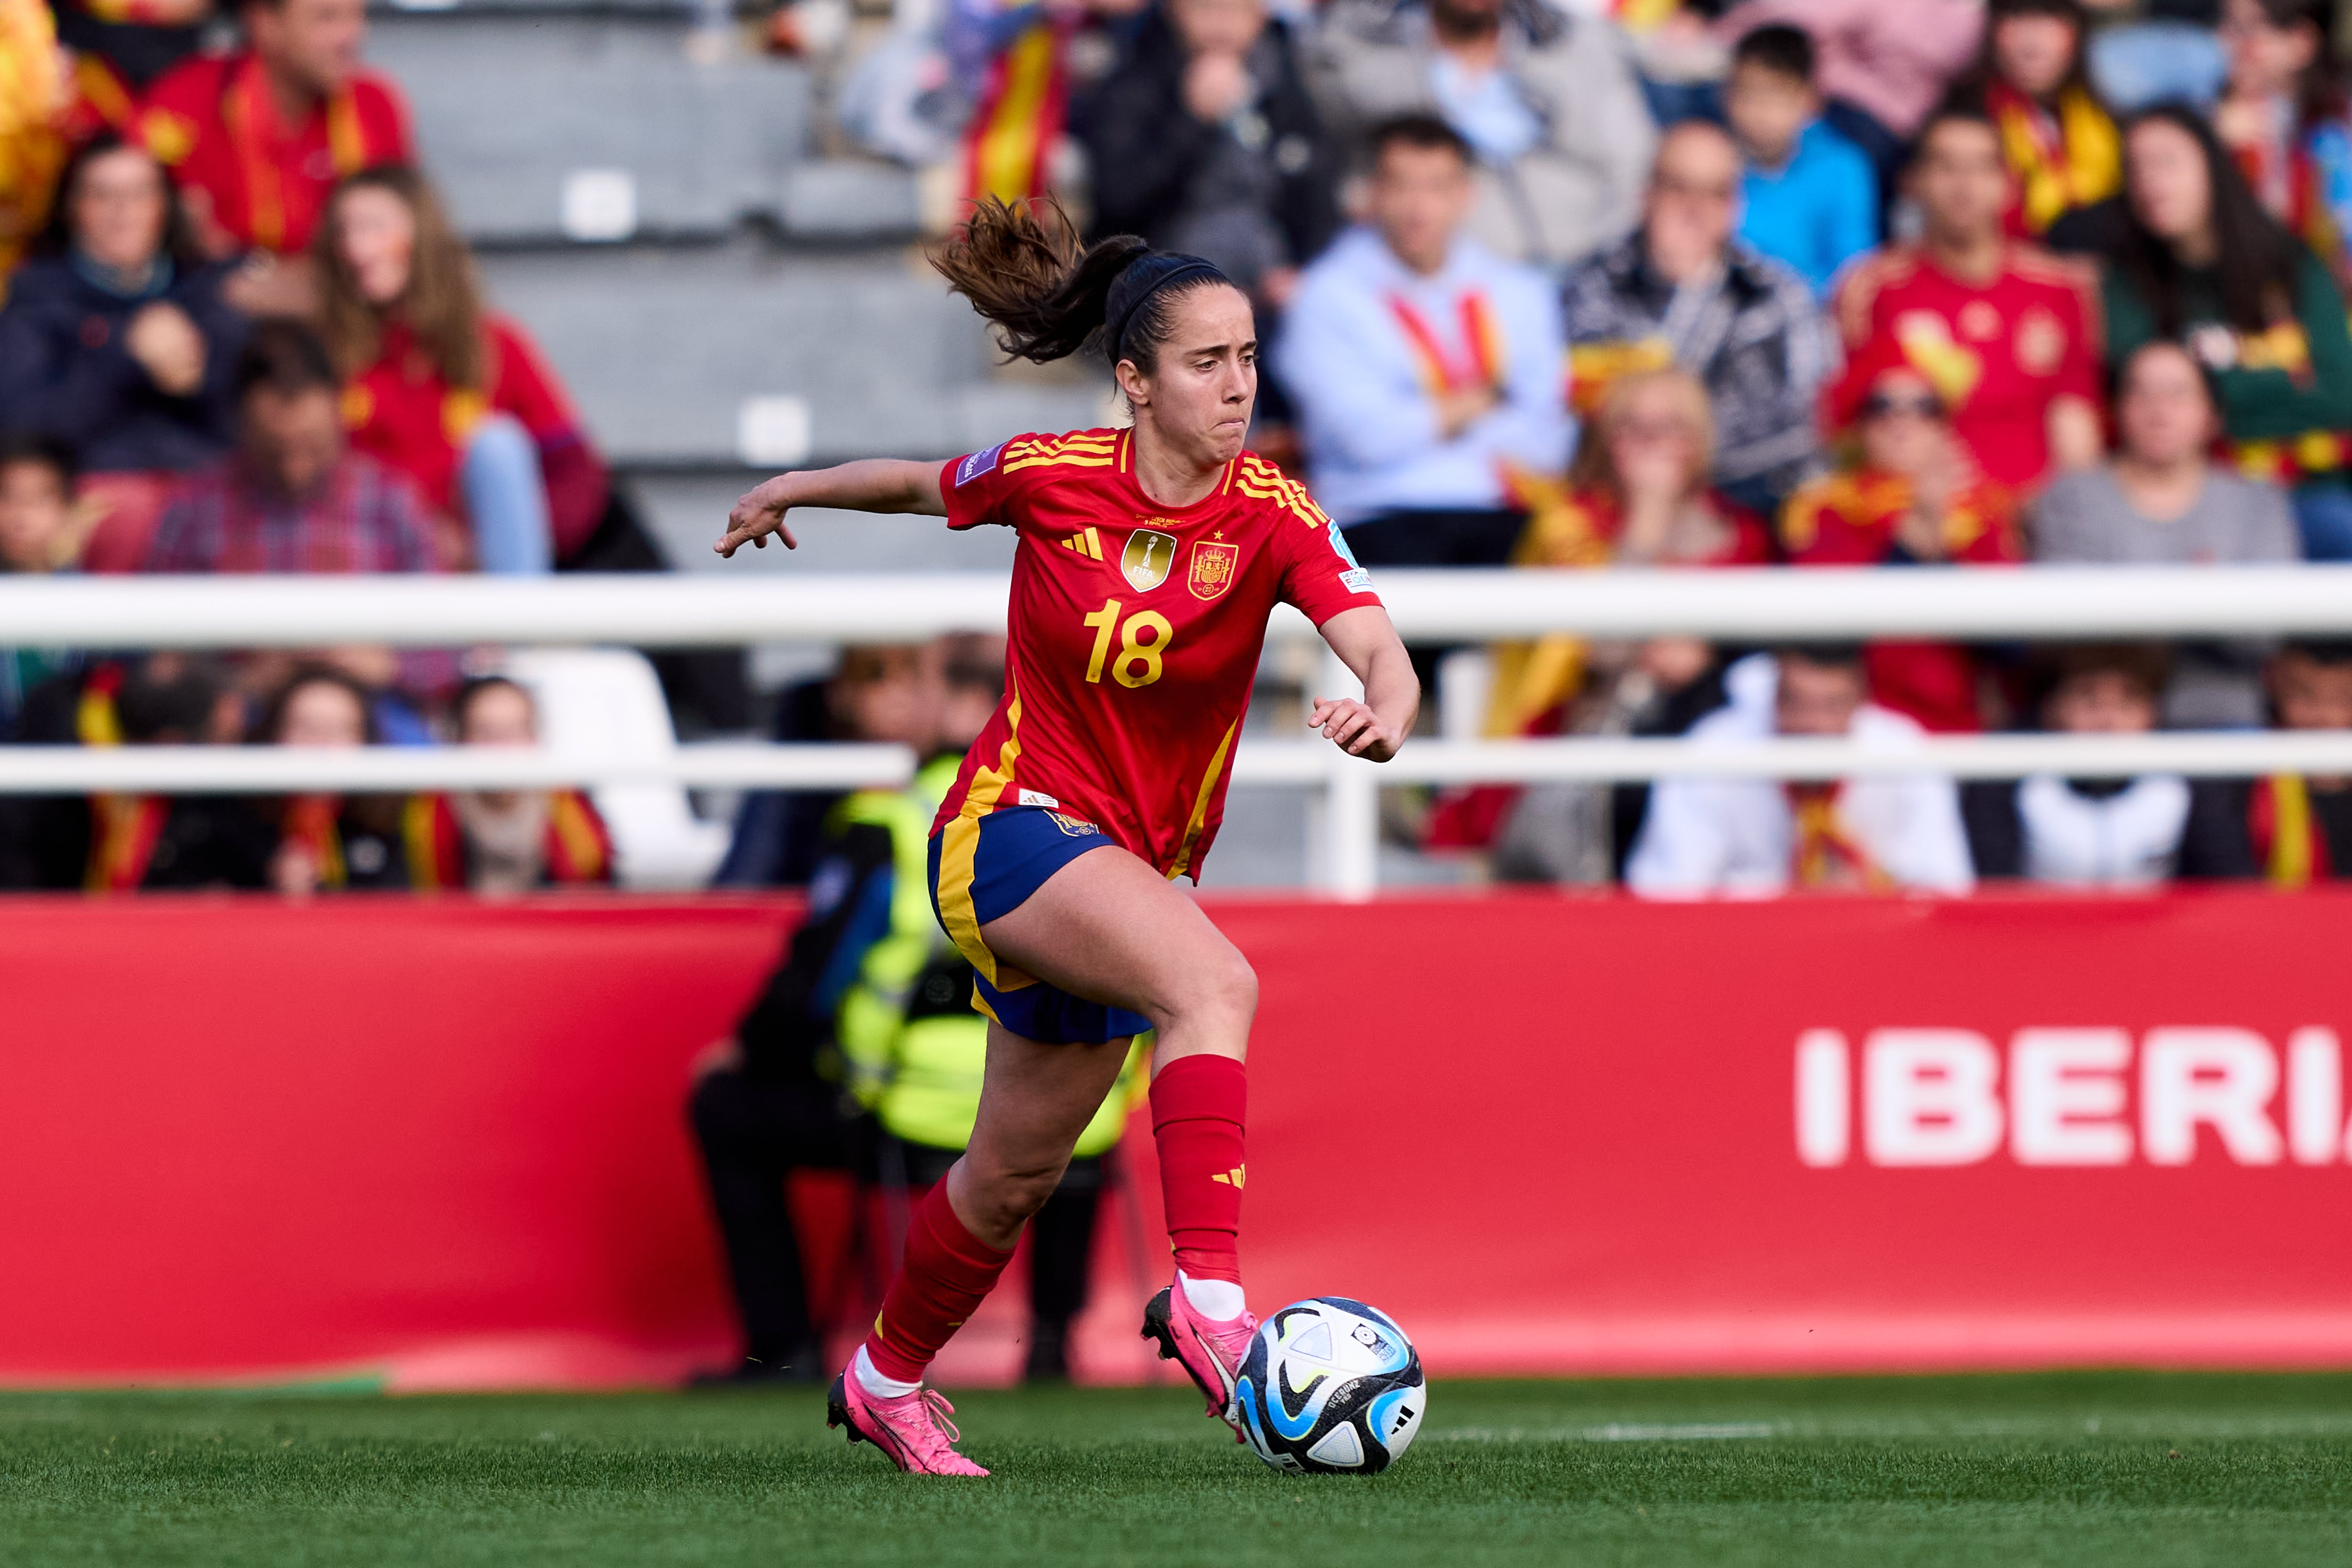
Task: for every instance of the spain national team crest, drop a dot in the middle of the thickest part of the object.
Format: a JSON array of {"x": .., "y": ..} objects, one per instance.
[
  {"x": 1214, "y": 566},
  {"x": 1150, "y": 556}
]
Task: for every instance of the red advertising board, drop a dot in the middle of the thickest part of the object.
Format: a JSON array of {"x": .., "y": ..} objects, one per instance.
[{"x": 441, "y": 1143}]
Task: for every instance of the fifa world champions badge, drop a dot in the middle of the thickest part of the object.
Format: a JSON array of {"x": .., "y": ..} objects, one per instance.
[{"x": 1215, "y": 567}]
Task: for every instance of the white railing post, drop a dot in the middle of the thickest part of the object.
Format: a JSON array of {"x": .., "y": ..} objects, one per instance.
[
  {"x": 1350, "y": 815},
  {"x": 1351, "y": 828}
]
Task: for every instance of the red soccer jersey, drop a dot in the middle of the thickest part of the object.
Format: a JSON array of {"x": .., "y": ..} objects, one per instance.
[
  {"x": 213, "y": 123},
  {"x": 1134, "y": 633},
  {"x": 1998, "y": 353}
]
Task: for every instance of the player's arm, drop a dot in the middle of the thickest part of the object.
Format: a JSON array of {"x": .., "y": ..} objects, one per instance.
[
  {"x": 873, "y": 484},
  {"x": 1367, "y": 643}
]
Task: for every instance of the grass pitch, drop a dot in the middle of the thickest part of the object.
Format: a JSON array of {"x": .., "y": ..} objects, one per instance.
[{"x": 2092, "y": 1468}]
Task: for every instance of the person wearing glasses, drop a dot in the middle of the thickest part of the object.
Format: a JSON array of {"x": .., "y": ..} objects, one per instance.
[
  {"x": 1683, "y": 290},
  {"x": 1916, "y": 498}
]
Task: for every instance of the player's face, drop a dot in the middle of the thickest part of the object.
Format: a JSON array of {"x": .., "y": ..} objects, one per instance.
[
  {"x": 1198, "y": 398},
  {"x": 1960, "y": 183}
]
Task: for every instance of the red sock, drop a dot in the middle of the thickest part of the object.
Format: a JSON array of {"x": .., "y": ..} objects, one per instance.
[
  {"x": 1196, "y": 1119},
  {"x": 945, "y": 1274}
]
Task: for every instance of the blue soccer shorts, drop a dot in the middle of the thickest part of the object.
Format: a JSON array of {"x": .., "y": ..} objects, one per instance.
[{"x": 986, "y": 867}]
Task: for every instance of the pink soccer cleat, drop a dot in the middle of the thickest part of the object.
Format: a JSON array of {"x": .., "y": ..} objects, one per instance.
[
  {"x": 913, "y": 1430},
  {"x": 1210, "y": 1353}
]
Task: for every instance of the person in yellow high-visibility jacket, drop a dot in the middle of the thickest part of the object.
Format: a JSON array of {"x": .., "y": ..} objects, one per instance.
[{"x": 864, "y": 1052}]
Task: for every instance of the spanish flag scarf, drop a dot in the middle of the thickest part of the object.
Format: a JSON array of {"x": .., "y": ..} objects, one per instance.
[
  {"x": 255, "y": 132},
  {"x": 1825, "y": 855},
  {"x": 2062, "y": 161},
  {"x": 1481, "y": 361}
]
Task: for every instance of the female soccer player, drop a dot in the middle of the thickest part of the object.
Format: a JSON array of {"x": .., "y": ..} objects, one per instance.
[{"x": 1148, "y": 563}]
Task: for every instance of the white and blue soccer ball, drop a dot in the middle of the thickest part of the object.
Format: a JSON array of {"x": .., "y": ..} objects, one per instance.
[{"x": 1330, "y": 1386}]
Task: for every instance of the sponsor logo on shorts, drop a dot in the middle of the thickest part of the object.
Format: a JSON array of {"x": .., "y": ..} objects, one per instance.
[
  {"x": 1215, "y": 567},
  {"x": 1037, "y": 797},
  {"x": 1148, "y": 559},
  {"x": 979, "y": 463},
  {"x": 1075, "y": 827},
  {"x": 1356, "y": 580}
]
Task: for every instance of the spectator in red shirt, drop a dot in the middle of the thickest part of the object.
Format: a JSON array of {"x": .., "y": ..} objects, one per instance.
[
  {"x": 292, "y": 497},
  {"x": 257, "y": 138},
  {"x": 448, "y": 392},
  {"x": 1914, "y": 499},
  {"x": 2008, "y": 335}
]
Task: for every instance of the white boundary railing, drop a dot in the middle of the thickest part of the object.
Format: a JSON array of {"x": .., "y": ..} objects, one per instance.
[{"x": 1752, "y": 606}]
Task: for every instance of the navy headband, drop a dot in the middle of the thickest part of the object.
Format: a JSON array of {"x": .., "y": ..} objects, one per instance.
[{"x": 1132, "y": 289}]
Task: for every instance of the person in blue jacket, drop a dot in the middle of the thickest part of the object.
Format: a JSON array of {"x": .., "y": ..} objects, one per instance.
[{"x": 1809, "y": 196}]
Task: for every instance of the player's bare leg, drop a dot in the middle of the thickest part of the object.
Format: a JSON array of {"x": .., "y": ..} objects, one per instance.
[
  {"x": 1035, "y": 1100},
  {"x": 1108, "y": 928}
]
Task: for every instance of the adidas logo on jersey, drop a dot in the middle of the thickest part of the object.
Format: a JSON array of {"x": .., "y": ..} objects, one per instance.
[{"x": 1088, "y": 544}]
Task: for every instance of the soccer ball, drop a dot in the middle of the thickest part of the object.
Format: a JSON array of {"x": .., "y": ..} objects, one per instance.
[{"x": 1330, "y": 1386}]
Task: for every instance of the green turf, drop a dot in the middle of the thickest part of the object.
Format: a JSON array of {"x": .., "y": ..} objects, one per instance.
[{"x": 2087, "y": 1469}]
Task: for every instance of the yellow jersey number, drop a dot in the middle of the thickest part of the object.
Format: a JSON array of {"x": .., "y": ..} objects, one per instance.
[{"x": 1137, "y": 663}]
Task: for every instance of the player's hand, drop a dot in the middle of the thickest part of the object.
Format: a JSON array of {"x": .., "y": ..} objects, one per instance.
[
  {"x": 1354, "y": 728},
  {"x": 758, "y": 514}
]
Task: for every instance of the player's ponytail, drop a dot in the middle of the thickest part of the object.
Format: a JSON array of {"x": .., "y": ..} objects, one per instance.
[{"x": 1049, "y": 296}]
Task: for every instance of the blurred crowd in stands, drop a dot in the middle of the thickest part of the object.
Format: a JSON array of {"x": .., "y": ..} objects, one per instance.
[{"x": 1560, "y": 283}]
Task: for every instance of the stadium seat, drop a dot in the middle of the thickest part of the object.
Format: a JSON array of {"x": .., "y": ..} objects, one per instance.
[
  {"x": 592, "y": 126},
  {"x": 606, "y": 702},
  {"x": 664, "y": 347}
]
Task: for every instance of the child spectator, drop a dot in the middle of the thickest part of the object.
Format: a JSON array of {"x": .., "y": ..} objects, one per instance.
[
  {"x": 1914, "y": 498},
  {"x": 1809, "y": 198},
  {"x": 39, "y": 533},
  {"x": 504, "y": 841},
  {"x": 292, "y": 497},
  {"x": 257, "y": 138},
  {"x": 1753, "y": 836},
  {"x": 1885, "y": 64},
  {"x": 115, "y": 342},
  {"x": 2302, "y": 826},
  {"x": 328, "y": 842},
  {"x": 2060, "y": 144},
  {"x": 444, "y": 390},
  {"x": 2007, "y": 335},
  {"x": 1549, "y": 101},
  {"x": 2203, "y": 264},
  {"x": 2106, "y": 833},
  {"x": 1205, "y": 141},
  {"x": 1683, "y": 290},
  {"x": 1421, "y": 364},
  {"x": 2161, "y": 499},
  {"x": 2283, "y": 115}
]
